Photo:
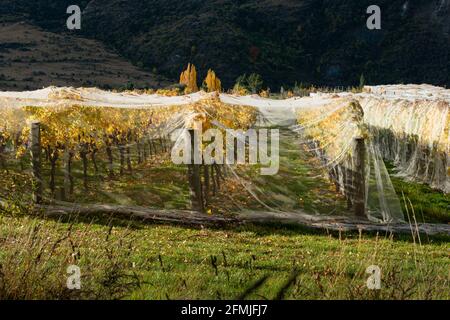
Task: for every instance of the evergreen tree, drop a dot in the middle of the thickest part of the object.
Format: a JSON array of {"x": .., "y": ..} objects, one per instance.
[{"x": 255, "y": 83}]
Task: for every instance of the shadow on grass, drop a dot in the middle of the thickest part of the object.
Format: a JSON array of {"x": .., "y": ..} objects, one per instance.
[{"x": 260, "y": 229}]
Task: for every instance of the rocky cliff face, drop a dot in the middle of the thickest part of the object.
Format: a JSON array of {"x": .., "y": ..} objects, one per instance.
[{"x": 323, "y": 42}]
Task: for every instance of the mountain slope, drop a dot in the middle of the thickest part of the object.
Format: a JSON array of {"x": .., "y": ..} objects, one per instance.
[
  {"x": 323, "y": 42},
  {"x": 31, "y": 58},
  {"x": 314, "y": 41}
]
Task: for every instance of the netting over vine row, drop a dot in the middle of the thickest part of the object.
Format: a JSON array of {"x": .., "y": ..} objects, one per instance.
[{"x": 223, "y": 154}]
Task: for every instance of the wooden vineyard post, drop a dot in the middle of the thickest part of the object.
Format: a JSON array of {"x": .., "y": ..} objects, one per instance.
[
  {"x": 150, "y": 150},
  {"x": 66, "y": 192},
  {"x": 35, "y": 137},
  {"x": 206, "y": 180},
  {"x": 195, "y": 185},
  {"x": 359, "y": 179}
]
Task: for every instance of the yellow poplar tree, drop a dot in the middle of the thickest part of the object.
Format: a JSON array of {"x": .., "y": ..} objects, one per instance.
[
  {"x": 212, "y": 82},
  {"x": 189, "y": 78}
]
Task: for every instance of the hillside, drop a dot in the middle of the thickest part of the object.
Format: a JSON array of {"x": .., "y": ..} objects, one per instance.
[
  {"x": 322, "y": 42},
  {"x": 311, "y": 41},
  {"x": 31, "y": 58}
]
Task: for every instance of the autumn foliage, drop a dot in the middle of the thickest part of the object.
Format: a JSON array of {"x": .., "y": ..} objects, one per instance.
[
  {"x": 212, "y": 82},
  {"x": 189, "y": 79}
]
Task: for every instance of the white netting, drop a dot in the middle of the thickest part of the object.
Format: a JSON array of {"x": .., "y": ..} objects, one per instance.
[{"x": 118, "y": 148}]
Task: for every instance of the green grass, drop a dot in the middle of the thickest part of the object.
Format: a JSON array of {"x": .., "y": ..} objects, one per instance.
[
  {"x": 301, "y": 182},
  {"x": 299, "y": 185},
  {"x": 429, "y": 205},
  {"x": 130, "y": 260},
  {"x": 124, "y": 259}
]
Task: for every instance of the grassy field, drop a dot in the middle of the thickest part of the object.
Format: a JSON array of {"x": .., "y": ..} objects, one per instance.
[
  {"x": 130, "y": 260},
  {"x": 124, "y": 259},
  {"x": 429, "y": 205}
]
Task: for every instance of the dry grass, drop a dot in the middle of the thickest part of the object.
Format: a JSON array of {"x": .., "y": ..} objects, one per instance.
[{"x": 129, "y": 260}]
